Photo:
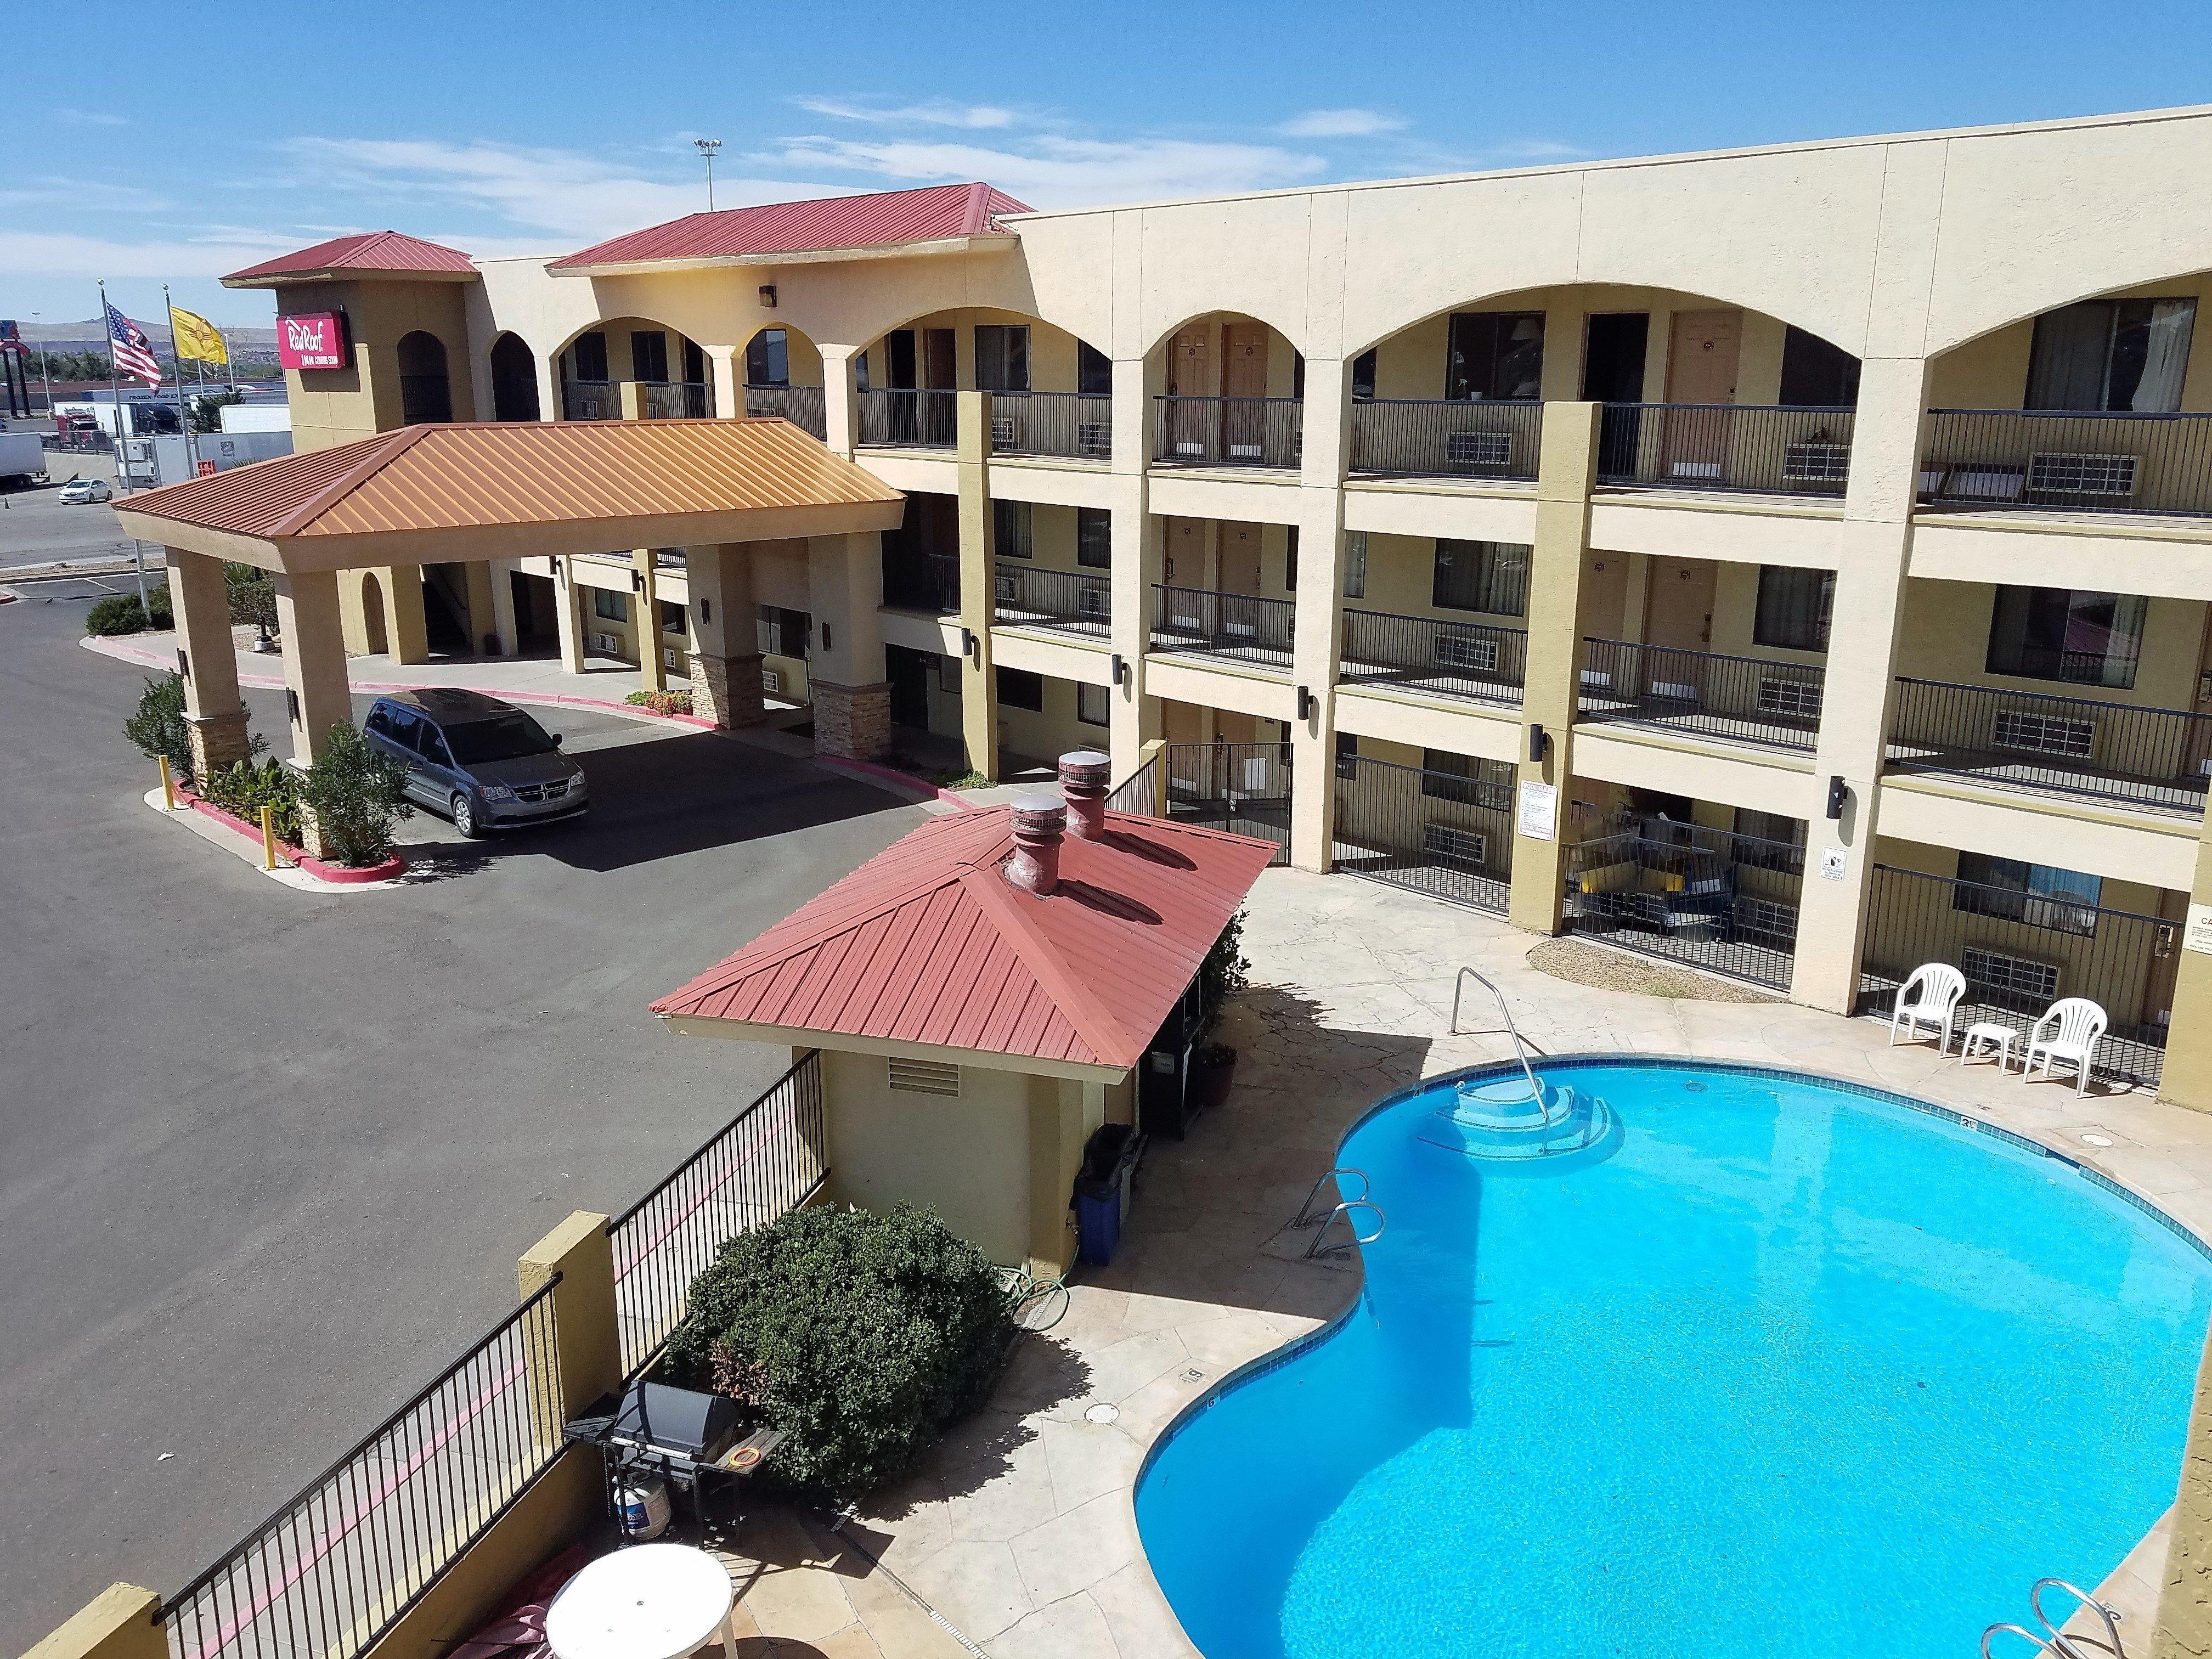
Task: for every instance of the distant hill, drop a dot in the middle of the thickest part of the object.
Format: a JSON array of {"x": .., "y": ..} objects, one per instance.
[{"x": 91, "y": 336}]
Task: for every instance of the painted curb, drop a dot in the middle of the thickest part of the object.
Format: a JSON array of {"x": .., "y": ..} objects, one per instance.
[
  {"x": 877, "y": 774},
  {"x": 336, "y": 874}
]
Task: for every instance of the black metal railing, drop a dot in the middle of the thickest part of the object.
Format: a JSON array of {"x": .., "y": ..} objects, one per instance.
[
  {"x": 677, "y": 400},
  {"x": 2075, "y": 460},
  {"x": 769, "y": 1159},
  {"x": 1076, "y": 424},
  {"x": 337, "y": 1566},
  {"x": 1445, "y": 834},
  {"x": 1243, "y": 626},
  {"x": 1702, "y": 693},
  {"x": 899, "y": 418},
  {"x": 1240, "y": 786},
  {"x": 591, "y": 400},
  {"x": 1721, "y": 902},
  {"x": 924, "y": 582},
  {"x": 802, "y": 405},
  {"x": 1434, "y": 657},
  {"x": 1227, "y": 431},
  {"x": 1030, "y": 596},
  {"x": 1726, "y": 446},
  {"x": 2020, "y": 953},
  {"x": 1142, "y": 791},
  {"x": 1437, "y": 438},
  {"x": 2153, "y": 757}
]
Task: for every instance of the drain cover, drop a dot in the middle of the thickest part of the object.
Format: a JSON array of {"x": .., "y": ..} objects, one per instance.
[
  {"x": 2096, "y": 1140},
  {"x": 1193, "y": 1375},
  {"x": 1104, "y": 1412},
  {"x": 1695, "y": 1088}
]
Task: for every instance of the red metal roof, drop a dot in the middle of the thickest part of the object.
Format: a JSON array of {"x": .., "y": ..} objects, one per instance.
[
  {"x": 881, "y": 219},
  {"x": 928, "y": 942},
  {"x": 374, "y": 252}
]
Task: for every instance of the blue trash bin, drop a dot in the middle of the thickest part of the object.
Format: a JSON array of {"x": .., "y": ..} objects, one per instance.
[{"x": 1097, "y": 1221}]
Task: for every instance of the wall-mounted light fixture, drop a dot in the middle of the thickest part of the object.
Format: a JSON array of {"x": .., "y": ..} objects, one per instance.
[
  {"x": 637, "y": 581},
  {"x": 1539, "y": 740},
  {"x": 1305, "y": 703},
  {"x": 971, "y": 646},
  {"x": 1837, "y": 792},
  {"x": 1120, "y": 670},
  {"x": 706, "y": 610},
  {"x": 292, "y": 704},
  {"x": 825, "y": 637},
  {"x": 768, "y": 296},
  {"x": 556, "y": 567},
  {"x": 184, "y": 663}
]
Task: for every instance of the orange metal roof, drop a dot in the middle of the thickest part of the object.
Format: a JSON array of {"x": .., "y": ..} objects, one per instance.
[
  {"x": 928, "y": 942},
  {"x": 880, "y": 219},
  {"x": 460, "y": 477},
  {"x": 371, "y": 254}
]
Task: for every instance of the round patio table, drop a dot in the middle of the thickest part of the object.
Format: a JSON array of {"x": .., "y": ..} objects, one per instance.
[{"x": 649, "y": 1601}]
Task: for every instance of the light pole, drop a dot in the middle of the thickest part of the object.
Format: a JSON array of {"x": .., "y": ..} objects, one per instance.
[{"x": 707, "y": 149}]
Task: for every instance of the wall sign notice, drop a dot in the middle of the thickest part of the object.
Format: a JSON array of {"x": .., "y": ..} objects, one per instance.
[
  {"x": 2199, "y": 934},
  {"x": 314, "y": 339},
  {"x": 1539, "y": 810},
  {"x": 1835, "y": 863}
]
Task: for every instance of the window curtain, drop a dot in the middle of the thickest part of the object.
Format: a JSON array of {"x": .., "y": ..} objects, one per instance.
[
  {"x": 2165, "y": 356},
  {"x": 2072, "y": 347}
]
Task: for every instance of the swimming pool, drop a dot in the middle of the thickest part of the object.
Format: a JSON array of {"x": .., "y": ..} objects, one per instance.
[{"x": 1772, "y": 1365}]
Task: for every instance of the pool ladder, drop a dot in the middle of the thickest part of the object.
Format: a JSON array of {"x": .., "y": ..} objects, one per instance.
[
  {"x": 2053, "y": 1641},
  {"x": 1522, "y": 1045},
  {"x": 1321, "y": 1219}
]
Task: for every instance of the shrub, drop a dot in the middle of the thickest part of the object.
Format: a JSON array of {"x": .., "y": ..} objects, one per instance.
[
  {"x": 1222, "y": 975},
  {"x": 357, "y": 795},
  {"x": 251, "y": 596},
  {"x": 864, "y": 1336},
  {"x": 245, "y": 788},
  {"x": 662, "y": 703},
  {"x": 158, "y": 726},
  {"x": 121, "y": 613}
]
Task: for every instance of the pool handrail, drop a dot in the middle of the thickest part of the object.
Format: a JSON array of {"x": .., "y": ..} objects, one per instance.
[
  {"x": 1521, "y": 1044},
  {"x": 1358, "y": 1238},
  {"x": 2054, "y": 1639},
  {"x": 1308, "y": 1215}
]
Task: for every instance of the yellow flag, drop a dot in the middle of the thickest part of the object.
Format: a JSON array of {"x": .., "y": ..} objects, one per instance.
[{"x": 197, "y": 338}]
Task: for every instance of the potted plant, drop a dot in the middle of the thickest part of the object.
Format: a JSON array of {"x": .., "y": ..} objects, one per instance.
[{"x": 1212, "y": 1070}]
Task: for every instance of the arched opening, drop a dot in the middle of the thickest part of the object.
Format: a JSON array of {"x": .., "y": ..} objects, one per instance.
[
  {"x": 513, "y": 380},
  {"x": 1052, "y": 393},
  {"x": 1233, "y": 391},
  {"x": 425, "y": 394},
  {"x": 671, "y": 371},
  {"x": 372, "y": 614},
  {"x": 781, "y": 376}
]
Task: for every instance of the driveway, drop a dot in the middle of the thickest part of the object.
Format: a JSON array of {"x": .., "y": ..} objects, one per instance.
[{"x": 267, "y": 1157}]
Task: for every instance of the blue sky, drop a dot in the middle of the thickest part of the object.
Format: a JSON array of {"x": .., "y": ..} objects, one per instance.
[{"x": 537, "y": 128}]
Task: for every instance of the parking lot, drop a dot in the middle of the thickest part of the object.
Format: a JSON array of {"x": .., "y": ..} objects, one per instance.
[{"x": 267, "y": 1156}]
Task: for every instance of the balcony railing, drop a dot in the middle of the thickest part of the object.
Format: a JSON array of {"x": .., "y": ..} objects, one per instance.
[
  {"x": 1702, "y": 694},
  {"x": 1242, "y": 626},
  {"x": 1433, "y": 438},
  {"x": 675, "y": 400},
  {"x": 2075, "y": 461},
  {"x": 1071, "y": 601},
  {"x": 1227, "y": 431},
  {"x": 1447, "y": 834},
  {"x": 1434, "y": 658},
  {"x": 801, "y": 405},
  {"x": 591, "y": 400},
  {"x": 925, "y": 581},
  {"x": 2153, "y": 757},
  {"x": 1727, "y": 903},
  {"x": 1075, "y": 424},
  {"x": 1726, "y": 446},
  {"x": 1243, "y": 788},
  {"x": 897, "y": 418}
]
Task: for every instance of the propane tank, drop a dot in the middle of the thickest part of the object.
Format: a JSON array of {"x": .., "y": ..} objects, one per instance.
[{"x": 641, "y": 1504}]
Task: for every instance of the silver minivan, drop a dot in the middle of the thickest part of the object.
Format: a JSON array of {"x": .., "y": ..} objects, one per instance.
[{"x": 482, "y": 763}]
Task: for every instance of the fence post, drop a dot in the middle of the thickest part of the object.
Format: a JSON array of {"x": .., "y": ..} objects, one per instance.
[
  {"x": 118, "y": 1623},
  {"x": 585, "y": 1361}
]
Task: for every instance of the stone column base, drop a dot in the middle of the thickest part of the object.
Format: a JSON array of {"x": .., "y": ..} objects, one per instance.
[
  {"x": 218, "y": 742},
  {"x": 727, "y": 689},
  {"x": 312, "y": 842},
  {"x": 853, "y": 722}
]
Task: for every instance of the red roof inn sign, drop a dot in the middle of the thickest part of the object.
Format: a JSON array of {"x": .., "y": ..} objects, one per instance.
[{"x": 314, "y": 339}]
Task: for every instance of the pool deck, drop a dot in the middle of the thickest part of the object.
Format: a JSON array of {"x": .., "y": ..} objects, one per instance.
[{"x": 1019, "y": 1533}]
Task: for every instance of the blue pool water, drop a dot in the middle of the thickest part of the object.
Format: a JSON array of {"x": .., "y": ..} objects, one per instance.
[{"x": 1772, "y": 1366}]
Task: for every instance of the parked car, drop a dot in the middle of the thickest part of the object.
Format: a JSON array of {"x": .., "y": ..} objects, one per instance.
[
  {"x": 481, "y": 763},
  {"x": 77, "y": 491}
]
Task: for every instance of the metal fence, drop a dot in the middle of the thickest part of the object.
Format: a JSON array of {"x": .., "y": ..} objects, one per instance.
[
  {"x": 1140, "y": 792},
  {"x": 1721, "y": 902},
  {"x": 1438, "y": 657},
  {"x": 1076, "y": 424},
  {"x": 2020, "y": 953},
  {"x": 1702, "y": 693},
  {"x": 903, "y": 418},
  {"x": 1445, "y": 834},
  {"x": 2153, "y": 757},
  {"x": 1227, "y": 431},
  {"x": 1243, "y": 626},
  {"x": 1241, "y": 787},
  {"x": 1731, "y": 446},
  {"x": 2077, "y": 460},
  {"x": 1433, "y": 438},
  {"x": 802, "y": 405},
  {"x": 338, "y": 1564},
  {"x": 922, "y": 581},
  {"x": 677, "y": 400},
  {"x": 591, "y": 400},
  {"x": 1071, "y": 601}
]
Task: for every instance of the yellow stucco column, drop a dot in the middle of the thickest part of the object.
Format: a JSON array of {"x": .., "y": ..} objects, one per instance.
[
  {"x": 1566, "y": 471},
  {"x": 585, "y": 1350},
  {"x": 117, "y": 1624},
  {"x": 633, "y": 400},
  {"x": 846, "y": 675},
  {"x": 568, "y": 603},
  {"x": 1133, "y": 717},
  {"x": 1059, "y": 1123},
  {"x": 207, "y": 657},
  {"x": 645, "y": 622},
  {"x": 316, "y": 696},
  {"x": 1317, "y": 621},
  {"x": 841, "y": 404},
  {"x": 484, "y": 610},
  {"x": 722, "y": 375},
  {"x": 725, "y": 658},
  {"x": 2185, "y": 1078},
  {"x": 406, "y": 631},
  {"x": 978, "y": 705}
]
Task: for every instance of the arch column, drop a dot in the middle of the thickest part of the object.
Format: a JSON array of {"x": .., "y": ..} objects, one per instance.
[
  {"x": 207, "y": 660},
  {"x": 316, "y": 696},
  {"x": 568, "y": 616},
  {"x": 979, "y": 703},
  {"x": 1133, "y": 717},
  {"x": 722, "y": 372},
  {"x": 726, "y": 662},
  {"x": 644, "y": 625},
  {"x": 841, "y": 404},
  {"x": 1317, "y": 620},
  {"x": 846, "y": 674},
  {"x": 549, "y": 385}
]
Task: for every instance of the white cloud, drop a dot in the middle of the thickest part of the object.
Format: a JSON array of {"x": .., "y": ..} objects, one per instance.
[
  {"x": 937, "y": 112},
  {"x": 1058, "y": 172},
  {"x": 1340, "y": 123},
  {"x": 58, "y": 254}
]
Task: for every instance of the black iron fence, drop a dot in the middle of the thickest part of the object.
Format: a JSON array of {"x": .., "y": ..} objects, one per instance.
[
  {"x": 1446, "y": 834},
  {"x": 1227, "y": 431},
  {"x": 2155, "y": 758},
  {"x": 1438, "y": 658},
  {"x": 1433, "y": 438},
  {"x": 1702, "y": 693},
  {"x": 2020, "y": 953},
  {"x": 921, "y": 581},
  {"x": 1721, "y": 902},
  {"x": 677, "y": 400},
  {"x": 1243, "y": 626},
  {"x": 899, "y": 418},
  {"x": 1241, "y": 787},
  {"x": 591, "y": 400},
  {"x": 802, "y": 405},
  {"x": 2077, "y": 460},
  {"x": 1729, "y": 446},
  {"x": 1071, "y": 601},
  {"x": 1076, "y": 424}
]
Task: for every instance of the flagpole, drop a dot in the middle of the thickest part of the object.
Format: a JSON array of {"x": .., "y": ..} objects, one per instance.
[
  {"x": 122, "y": 467},
  {"x": 184, "y": 418}
]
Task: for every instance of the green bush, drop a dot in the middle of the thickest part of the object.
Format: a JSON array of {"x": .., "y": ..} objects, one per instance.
[
  {"x": 158, "y": 726},
  {"x": 245, "y": 788},
  {"x": 357, "y": 795},
  {"x": 864, "y": 1336},
  {"x": 1221, "y": 975},
  {"x": 661, "y": 702},
  {"x": 251, "y": 596},
  {"x": 120, "y": 613}
]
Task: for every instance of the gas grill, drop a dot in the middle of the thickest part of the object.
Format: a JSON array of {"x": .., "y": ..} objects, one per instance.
[{"x": 688, "y": 1438}]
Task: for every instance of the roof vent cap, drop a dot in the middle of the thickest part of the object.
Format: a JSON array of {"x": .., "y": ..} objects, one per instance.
[
  {"x": 1040, "y": 822},
  {"x": 1084, "y": 776}
]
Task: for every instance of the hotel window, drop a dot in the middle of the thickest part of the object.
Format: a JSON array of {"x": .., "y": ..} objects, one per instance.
[
  {"x": 610, "y": 606},
  {"x": 588, "y": 358},
  {"x": 1447, "y": 776},
  {"x": 648, "y": 355},
  {"x": 861, "y": 371},
  {"x": 1010, "y": 529},
  {"x": 1094, "y": 538},
  {"x": 1020, "y": 689},
  {"x": 1769, "y": 840},
  {"x": 1495, "y": 354},
  {"x": 695, "y": 364},
  {"x": 2111, "y": 354},
  {"x": 949, "y": 674},
  {"x": 1093, "y": 704},
  {"x": 1815, "y": 374},
  {"x": 767, "y": 358},
  {"x": 1794, "y": 608},
  {"x": 1094, "y": 371},
  {"x": 1355, "y": 564},
  {"x": 1363, "y": 375},
  {"x": 783, "y": 633},
  {"x": 2054, "y": 634},
  {"x": 2039, "y": 895},
  {"x": 1347, "y": 755},
  {"x": 671, "y": 618},
  {"x": 1291, "y": 560},
  {"x": 1491, "y": 577},
  {"x": 1002, "y": 357}
]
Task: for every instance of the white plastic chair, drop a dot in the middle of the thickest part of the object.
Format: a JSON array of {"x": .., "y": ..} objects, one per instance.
[
  {"x": 1931, "y": 998},
  {"x": 2068, "y": 1033}
]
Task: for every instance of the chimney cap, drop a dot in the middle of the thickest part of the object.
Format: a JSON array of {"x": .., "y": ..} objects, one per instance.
[{"x": 1040, "y": 808}]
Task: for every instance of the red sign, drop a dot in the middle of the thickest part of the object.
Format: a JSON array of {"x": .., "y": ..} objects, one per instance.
[
  {"x": 315, "y": 339},
  {"x": 206, "y": 470}
]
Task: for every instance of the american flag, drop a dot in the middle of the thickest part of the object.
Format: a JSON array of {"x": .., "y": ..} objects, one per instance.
[{"x": 134, "y": 353}]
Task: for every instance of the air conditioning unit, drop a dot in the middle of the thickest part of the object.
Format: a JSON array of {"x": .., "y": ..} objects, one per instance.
[
  {"x": 1467, "y": 651},
  {"x": 1767, "y": 918},
  {"x": 608, "y": 643},
  {"x": 1973, "y": 481},
  {"x": 1601, "y": 678},
  {"x": 2082, "y": 475},
  {"x": 1006, "y": 432},
  {"x": 1003, "y": 588},
  {"x": 772, "y": 682},
  {"x": 1256, "y": 771},
  {"x": 1095, "y": 438},
  {"x": 2001, "y": 970},
  {"x": 1094, "y": 602},
  {"x": 1458, "y": 846},
  {"x": 2032, "y": 731},
  {"x": 1798, "y": 699},
  {"x": 1696, "y": 471},
  {"x": 925, "y": 1077},
  {"x": 1672, "y": 692},
  {"x": 1478, "y": 452},
  {"x": 1816, "y": 460}
]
